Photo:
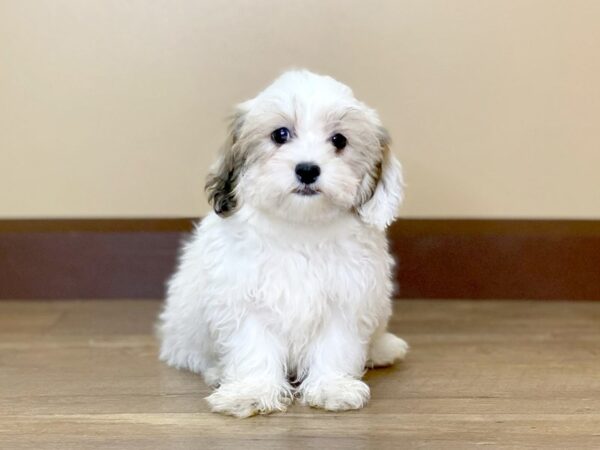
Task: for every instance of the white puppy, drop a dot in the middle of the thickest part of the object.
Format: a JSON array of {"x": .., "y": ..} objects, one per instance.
[{"x": 288, "y": 283}]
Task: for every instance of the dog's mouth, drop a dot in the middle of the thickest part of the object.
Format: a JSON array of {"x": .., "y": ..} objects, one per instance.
[{"x": 306, "y": 191}]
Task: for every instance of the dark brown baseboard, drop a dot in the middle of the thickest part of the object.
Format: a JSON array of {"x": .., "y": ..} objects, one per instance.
[
  {"x": 476, "y": 259},
  {"x": 498, "y": 259}
]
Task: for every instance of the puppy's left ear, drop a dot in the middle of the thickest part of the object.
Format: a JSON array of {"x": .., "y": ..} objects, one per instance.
[{"x": 381, "y": 209}]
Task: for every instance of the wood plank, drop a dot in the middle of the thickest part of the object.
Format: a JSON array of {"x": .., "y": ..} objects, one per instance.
[{"x": 494, "y": 374}]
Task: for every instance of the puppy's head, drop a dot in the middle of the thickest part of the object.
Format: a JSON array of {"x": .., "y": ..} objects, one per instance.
[{"x": 306, "y": 150}]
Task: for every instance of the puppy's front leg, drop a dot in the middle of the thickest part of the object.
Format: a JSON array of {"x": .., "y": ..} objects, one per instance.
[
  {"x": 254, "y": 379},
  {"x": 335, "y": 365}
]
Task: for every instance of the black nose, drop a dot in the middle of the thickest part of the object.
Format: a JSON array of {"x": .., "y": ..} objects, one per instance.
[{"x": 307, "y": 173}]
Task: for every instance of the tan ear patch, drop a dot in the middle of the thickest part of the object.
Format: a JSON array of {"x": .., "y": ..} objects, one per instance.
[{"x": 224, "y": 175}]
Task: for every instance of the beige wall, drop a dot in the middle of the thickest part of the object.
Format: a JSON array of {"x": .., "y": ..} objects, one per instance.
[{"x": 116, "y": 107}]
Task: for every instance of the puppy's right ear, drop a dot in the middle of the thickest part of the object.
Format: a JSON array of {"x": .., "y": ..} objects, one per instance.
[{"x": 224, "y": 175}]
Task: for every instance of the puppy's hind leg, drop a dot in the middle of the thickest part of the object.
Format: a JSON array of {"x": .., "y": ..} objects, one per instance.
[
  {"x": 185, "y": 344},
  {"x": 385, "y": 349}
]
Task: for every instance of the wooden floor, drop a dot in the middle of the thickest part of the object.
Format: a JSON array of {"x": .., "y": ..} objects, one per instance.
[{"x": 80, "y": 375}]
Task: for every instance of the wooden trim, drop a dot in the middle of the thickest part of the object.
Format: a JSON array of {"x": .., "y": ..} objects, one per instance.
[
  {"x": 477, "y": 259},
  {"x": 100, "y": 225},
  {"x": 497, "y": 227},
  {"x": 497, "y": 259}
]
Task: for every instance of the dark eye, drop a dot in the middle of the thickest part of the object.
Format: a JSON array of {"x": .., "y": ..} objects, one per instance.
[
  {"x": 281, "y": 135},
  {"x": 338, "y": 141}
]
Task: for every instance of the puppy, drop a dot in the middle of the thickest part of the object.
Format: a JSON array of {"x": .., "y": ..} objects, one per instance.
[{"x": 285, "y": 289}]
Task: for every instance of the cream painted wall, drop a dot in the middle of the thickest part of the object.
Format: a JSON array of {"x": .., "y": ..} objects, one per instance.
[{"x": 116, "y": 107}]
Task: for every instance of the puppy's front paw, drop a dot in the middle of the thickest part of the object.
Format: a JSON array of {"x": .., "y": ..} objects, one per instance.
[
  {"x": 386, "y": 350},
  {"x": 245, "y": 399},
  {"x": 335, "y": 394}
]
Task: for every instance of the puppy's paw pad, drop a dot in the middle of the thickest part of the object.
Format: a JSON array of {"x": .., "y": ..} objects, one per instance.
[
  {"x": 241, "y": 399},
  {"x": 386, "y": 350},
  {"x": 336, "y": 394}
]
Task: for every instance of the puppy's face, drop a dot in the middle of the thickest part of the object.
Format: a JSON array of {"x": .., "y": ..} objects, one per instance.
[{"x": 306, "y": 150}]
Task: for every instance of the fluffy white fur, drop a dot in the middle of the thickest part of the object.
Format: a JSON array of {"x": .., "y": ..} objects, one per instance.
[{"x": 278, "y": 294}]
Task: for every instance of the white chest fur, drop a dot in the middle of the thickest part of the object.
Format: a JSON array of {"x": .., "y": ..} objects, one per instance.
[{"x": 281, "y": 273}]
